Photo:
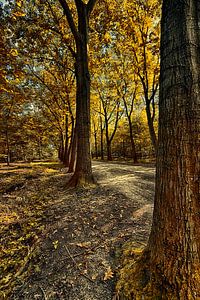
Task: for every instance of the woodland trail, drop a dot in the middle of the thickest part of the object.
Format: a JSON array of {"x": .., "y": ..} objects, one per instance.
[{"x": 80, "y": 233}]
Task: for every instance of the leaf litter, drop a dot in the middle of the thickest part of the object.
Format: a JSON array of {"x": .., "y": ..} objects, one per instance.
[{"x": 66, "y": 244}]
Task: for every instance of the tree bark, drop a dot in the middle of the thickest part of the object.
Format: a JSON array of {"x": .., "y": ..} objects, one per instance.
[
  {"x": 102, "y": 144},
  {"x": 83, "y": 170},
  {"x": 66, "y": 148},
  {"x": 61, "y": 148},
  {"x": 170, "y": 265},
  {"x": 174, "y": 242},
  {"x": 108, "y": 143},
  {"x": 96, "y": 145},
  {"x": 73, "y": 151},
  {"x": 7, "y": 148},
  {"x": 109, "y": 150},
  {"x": 133, "y": 150}
]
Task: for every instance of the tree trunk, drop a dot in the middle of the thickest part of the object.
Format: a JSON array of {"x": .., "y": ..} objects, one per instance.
[
  {"x": 66, "y": 150},
  {"x": 102, "y": 146},
  {"x": 96, "y": 145},
  {"x": 73, "y": 151},
  {"x": 108, "y": 141},
  {"x": 151, "y": 126},
  {"x": 83, "y": 170},
  {"x": 133, "y": 150},
  {"x": 109, "y": 150},
  {"x": 177, "y": 196},
  {"x": 170, "y": 266},
  {"x": 7, "y": 148},
  {"x": 61, "y": 148}
]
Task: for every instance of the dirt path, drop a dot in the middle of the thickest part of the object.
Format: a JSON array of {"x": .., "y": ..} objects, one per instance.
[{"x": 76, "y": 253}]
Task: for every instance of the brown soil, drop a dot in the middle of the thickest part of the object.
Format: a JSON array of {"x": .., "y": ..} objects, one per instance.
[{"x": 76, "y": 253}]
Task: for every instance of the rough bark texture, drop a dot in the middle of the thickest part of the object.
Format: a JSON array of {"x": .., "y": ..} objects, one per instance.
[
  {"x": 83, "y": 170},
  {"x": 174, "y": 242},
  {"x": 170, "y": 266}
]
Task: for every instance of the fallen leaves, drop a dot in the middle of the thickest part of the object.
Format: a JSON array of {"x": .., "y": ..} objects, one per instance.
[{"x": 108, "y": 274}]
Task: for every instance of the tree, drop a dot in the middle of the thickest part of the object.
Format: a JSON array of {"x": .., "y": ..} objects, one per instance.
[
  {"x": 170, "y": 265},
  {"x": 83, "y": 170},
  {"x": 141, "y": 25}
]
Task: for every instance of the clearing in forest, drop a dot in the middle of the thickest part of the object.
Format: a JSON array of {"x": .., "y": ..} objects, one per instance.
[{"x": 66, "y": 244}]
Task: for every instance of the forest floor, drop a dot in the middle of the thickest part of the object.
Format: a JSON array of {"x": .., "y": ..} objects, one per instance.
[{"x": 66, "y": 244}]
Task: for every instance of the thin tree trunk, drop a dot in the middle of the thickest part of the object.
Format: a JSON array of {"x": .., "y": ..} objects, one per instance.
[
  {"x": 7, "y": 148},
  {"x": 102, "y": 145},
  {"x": 108, "y": 142},
  {"x": 66, "y": 150},
  {"x": 61, "y": 148},
  {"x": 73, "y": 151},
  {"x": 109, "y": 150},
  {"x": 133, "y": 150},
  {"x": 151, "y": 126},
  {"x": 96, "y": 145}
]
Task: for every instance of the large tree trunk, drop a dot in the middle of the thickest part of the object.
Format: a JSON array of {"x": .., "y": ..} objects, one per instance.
[
  {"x": 83, "y": 170},
  {"x": 170, "y": 266},
  {"x": 174, "y": 243}
]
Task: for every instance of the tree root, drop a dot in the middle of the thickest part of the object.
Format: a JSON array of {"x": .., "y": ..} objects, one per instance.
[
  {"x": 140, "y": 280},
  {"x": 81, "y": 180}
]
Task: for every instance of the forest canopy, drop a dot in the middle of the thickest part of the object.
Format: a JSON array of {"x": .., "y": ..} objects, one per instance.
[{"x": 38, "y": 80}]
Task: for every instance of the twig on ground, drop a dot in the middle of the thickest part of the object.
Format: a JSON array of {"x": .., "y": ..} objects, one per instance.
[
  {"x": 81, "y": 273},
  {"x": 43, "y": 292}
]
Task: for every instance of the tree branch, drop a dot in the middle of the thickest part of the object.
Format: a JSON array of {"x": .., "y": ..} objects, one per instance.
[
  {"x": 70, "y": 20},
  {"x": 90, "y": 6}
]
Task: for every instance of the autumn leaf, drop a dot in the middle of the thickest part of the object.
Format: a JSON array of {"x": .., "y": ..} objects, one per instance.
[
  {"x": 13, "y": 52},
  {"x": 84, "y": 244},
  {"x": 108, "y": 274},
  {"x": 19, "y": 14},
  {"x": 55, "y": 244}
]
